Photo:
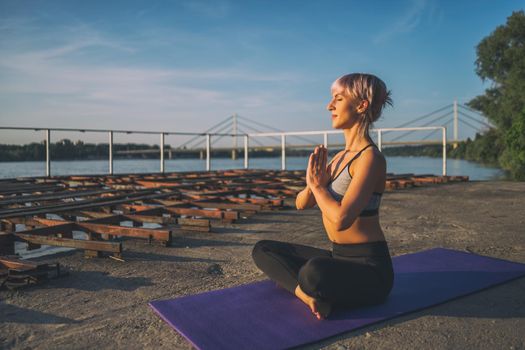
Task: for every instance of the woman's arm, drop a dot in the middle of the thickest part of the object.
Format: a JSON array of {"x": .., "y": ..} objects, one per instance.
[
  {"x": 343, "y": 214},
  {"x": 305, "y": 199}
]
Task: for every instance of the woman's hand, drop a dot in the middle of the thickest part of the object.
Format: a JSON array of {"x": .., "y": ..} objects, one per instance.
[{"x": 317, "y": 174}]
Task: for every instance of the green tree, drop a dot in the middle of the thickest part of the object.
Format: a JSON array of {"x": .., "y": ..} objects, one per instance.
[{"x": 501, "y": 59}]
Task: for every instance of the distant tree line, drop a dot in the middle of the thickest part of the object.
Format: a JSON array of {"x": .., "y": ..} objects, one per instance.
[{"x": 68, "y": 150}]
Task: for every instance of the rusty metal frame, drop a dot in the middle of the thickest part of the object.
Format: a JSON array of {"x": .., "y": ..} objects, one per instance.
[{"x": 177, "y": 202}]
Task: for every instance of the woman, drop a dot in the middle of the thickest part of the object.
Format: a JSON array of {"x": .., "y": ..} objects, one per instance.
[{"x": 358, "y": 270}]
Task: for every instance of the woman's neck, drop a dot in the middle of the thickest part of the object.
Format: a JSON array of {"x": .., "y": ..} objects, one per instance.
[{"x": 354, "y": 140}]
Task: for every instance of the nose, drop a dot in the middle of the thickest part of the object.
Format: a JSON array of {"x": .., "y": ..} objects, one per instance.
[{"x": 330, "y": 106}]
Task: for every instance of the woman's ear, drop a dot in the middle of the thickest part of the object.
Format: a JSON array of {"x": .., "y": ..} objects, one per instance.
[{"x": 362, "y": 106}]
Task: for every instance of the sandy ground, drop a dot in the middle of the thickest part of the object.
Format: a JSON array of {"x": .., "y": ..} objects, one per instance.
[{"x": 103, "y": 303}]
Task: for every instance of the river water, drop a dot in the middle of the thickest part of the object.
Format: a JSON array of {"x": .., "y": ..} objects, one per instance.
[{"x": 397, "y": 165}]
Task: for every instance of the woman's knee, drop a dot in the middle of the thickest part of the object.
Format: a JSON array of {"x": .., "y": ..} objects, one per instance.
[{"x": 260, "y": 248}]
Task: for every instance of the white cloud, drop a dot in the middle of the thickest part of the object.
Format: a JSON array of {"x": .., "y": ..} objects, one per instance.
[
  {"x": 59, "y": 91},
  {"x": 406, "y": 23}
]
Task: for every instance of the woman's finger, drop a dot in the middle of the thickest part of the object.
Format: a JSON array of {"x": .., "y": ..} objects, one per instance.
[
  {"x": 315, "y": 159},
  {"x": 311, "y": 163},
  {"x": 324, "y": 158},
  {"x": 320, "y": 158}
]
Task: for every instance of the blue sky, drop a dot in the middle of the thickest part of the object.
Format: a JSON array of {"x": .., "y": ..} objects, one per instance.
[{"x": 187, "y": 65}]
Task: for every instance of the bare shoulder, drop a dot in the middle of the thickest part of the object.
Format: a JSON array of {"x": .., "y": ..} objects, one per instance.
[{"x": 371, "y": 158}]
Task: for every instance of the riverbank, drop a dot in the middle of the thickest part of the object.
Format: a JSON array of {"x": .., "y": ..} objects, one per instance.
[{"x": 103, "y": 302}]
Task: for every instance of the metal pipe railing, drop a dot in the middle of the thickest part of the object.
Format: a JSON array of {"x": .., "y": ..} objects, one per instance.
[
  {"x": 111, "y": 153},
  {"x": 48, "y": 155},
  {"x": 379, "y": 137},
  {"x": 208, "y": 136},
  {"x": 246, "y": 152},
  {"x": 162, "y": 152},
  {"x": 208, "y": 152}
]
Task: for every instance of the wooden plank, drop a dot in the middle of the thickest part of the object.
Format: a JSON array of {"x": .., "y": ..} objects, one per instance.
[
  {"x": 214, "y": 214},
  {"x": 112, "y": 247},
  {"x": 221, "y": 205},
  {"x": 165, "y": 220},
  {"x": 54, "y": 196},
  {"x": 64, "y": 228},
  {"x": 15, "y": 263},
  {"x": 136, "y": 232},
  {"x": 78, "y": 206},
  {"x": 193, "y": 222}
]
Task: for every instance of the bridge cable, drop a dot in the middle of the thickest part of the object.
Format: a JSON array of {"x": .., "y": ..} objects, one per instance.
[
  {"x": 434, "y": 131},
  {"x": 253, "y": 139},
  {"x": 423, "y": 117},
  {"x": 218, "y": 131},
  {"x": 274, "y": 129},
  {"x": 227, "y": 127},
  {"x": 214, "y": 140},
  {"x": 472, "y": 126},
  {"x": 472, "y": 110},
  {"x": 426, "y": 124},
  {"x": 204, "y": 132},
  {"x": 474, "y": 119},
  {"x": 203, "y": 139},
  {"x": 259, "y": 131}
]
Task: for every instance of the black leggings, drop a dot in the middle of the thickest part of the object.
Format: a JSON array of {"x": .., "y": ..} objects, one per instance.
[{"x": 349, "y": 275}]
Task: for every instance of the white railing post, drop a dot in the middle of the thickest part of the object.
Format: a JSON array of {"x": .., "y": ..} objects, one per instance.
[
  {"x": 110, "y": 152},
  {"x": 444, "y": 151},
  {"x": 48, "y": 155},
  {"x": 208, "y": 151},
  {"x": 283, "y": 151},
  {"x": 379, "y": 139},
  {"x": 245, "y": 151},
  {"x": 162, "y": 152},
  {"x": 325, "y": 140}
]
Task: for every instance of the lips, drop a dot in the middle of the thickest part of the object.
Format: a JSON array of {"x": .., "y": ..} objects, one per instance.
[{"x": 334, "y": 116}]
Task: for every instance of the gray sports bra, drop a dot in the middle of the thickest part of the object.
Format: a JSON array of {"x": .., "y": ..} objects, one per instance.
[{"x": 338, "y": 186}]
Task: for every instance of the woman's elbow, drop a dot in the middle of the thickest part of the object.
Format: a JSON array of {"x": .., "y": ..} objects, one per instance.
[
  {"x": 301, "y": 205},
  {"x": 343, "y": 222}
]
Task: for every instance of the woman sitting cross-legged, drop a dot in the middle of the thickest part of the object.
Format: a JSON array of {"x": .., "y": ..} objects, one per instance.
[{"x": 358, "y": 270}]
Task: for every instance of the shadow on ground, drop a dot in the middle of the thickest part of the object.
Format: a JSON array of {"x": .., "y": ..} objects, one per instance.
[{"x": 15, "y": 314}]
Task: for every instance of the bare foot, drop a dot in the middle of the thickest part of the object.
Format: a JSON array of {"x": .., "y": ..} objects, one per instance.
[{"x": 321, "y": 309}]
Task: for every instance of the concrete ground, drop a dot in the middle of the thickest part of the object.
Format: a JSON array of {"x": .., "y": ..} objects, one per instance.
[{"x": 103, "y": 303}]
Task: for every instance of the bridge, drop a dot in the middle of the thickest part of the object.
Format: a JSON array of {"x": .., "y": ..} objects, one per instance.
[{"x": 450, "y": 116}]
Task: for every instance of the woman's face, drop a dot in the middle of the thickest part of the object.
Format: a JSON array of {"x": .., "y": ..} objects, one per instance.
[{"x": 343, "y": 109}]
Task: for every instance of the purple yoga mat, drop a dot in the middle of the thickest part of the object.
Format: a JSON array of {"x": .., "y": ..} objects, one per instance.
[{"x": 263, "y": 316}]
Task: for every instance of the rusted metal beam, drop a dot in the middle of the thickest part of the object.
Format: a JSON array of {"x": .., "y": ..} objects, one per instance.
[
  {"x": 60, "y": 228},
  {"x": 215, "y": 214},
  {"x": 55, "y": 196},
  {"x": 162, "y": 220},
  {"x": 11, "y": 262},
  {"x": 79, "y": 206},
  {"x": 135, "y": 232},
  {"x": 18, "y": 273},
  {"x": 111, "y": 247},
  {"x": 234, "y": 206},
  {"x": 178, "y": 209}
]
